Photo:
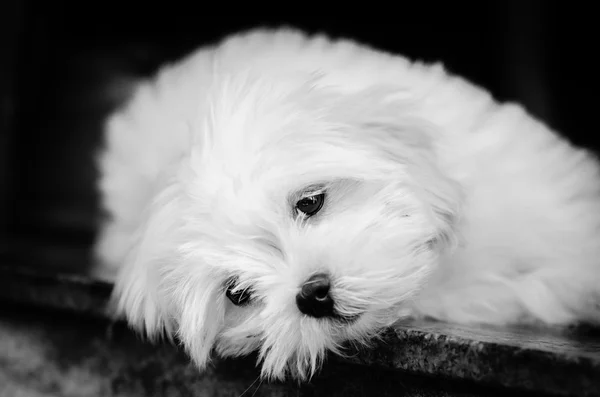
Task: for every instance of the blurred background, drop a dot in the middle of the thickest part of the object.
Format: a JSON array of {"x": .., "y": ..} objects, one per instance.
[{"x": 65, "y": 65}]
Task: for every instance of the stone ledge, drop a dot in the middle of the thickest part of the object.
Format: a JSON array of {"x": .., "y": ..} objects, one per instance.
[{"x": 522, "y": 360}]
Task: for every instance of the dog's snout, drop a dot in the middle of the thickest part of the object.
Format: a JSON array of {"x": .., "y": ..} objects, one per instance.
[{"x": 314, "y": 298}]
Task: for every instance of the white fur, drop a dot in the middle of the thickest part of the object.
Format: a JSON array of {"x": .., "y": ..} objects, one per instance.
[{"x": 441, "y": 202}]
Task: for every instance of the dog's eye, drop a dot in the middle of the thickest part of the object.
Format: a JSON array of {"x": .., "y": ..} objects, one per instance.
[
  {"x": 311, "y": 205},
  {"x": 238, "y": 297}
]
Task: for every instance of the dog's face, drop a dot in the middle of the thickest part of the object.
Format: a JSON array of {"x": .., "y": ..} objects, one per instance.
[{"x": 300, "y": 219}]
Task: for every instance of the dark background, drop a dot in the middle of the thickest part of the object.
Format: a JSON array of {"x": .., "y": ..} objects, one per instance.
[{"x": 62, "y": 64}]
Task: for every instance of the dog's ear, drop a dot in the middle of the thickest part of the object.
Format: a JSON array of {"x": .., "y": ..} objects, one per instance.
[
  {"x": 136, "y": 294},
  {"x": 407, "y": 142},
  {"x": 162, "y": 290}
]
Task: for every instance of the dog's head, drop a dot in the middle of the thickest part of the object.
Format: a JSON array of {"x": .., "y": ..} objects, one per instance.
[{"x": 301, "y": 218}]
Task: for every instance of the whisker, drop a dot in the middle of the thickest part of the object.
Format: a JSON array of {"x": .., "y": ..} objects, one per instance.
[
  {"x": 258, "y": 387},
  {"x": 251, "y": 384}
]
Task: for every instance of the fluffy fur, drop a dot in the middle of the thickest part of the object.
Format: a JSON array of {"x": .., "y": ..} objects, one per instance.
[{"x": 440, "y": 201}]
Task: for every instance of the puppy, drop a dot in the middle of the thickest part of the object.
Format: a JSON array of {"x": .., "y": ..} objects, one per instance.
[{"x": 289, "y": 194}]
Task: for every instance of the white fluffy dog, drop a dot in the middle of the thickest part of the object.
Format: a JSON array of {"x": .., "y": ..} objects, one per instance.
[{"x": 287, "y": 194}]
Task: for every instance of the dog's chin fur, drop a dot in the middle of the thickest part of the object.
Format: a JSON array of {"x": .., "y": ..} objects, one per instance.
[{"x": 439, "y": 202}]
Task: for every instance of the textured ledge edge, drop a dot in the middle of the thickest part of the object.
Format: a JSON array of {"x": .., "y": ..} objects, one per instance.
[{"x": 557, "y": 363}]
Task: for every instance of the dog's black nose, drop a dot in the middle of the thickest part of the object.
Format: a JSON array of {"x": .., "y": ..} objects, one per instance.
[{"x": 314, "y": 299}]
